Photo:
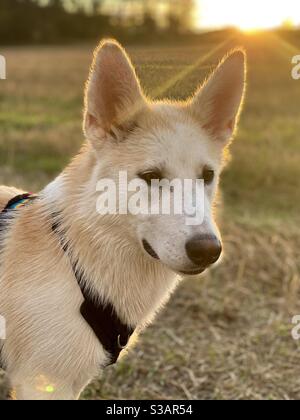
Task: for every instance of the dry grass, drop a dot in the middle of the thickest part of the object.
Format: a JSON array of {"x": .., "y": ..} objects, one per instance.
[
  {"x": 225, "y": 335},
  {"x": 228, "y": 333}
]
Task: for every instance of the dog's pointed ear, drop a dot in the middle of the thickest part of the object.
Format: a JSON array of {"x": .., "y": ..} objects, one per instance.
[
  {"x": 218, "y": 102},
  {"x": 113, "y": 94}
]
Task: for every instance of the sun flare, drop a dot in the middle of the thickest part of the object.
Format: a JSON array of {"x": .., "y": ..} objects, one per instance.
[{"x": 248, "y": 15}]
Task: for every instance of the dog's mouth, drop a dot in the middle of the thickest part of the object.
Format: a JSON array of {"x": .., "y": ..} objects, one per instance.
[
  {"x": 148, "y": 248},
  {"x": 150, "y": 251}
]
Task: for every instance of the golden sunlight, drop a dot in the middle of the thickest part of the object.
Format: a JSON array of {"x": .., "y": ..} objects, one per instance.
[{"x": 248, "y": 15}]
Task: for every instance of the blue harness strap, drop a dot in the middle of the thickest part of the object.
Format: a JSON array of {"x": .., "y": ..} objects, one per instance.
[{"x": 18, "y": 201}]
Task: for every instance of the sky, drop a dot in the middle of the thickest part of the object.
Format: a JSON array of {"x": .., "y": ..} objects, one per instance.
[{"x": 247, "y": 14}]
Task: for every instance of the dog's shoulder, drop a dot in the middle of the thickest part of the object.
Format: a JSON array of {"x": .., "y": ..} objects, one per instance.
[{"x": 6, "y": 194}]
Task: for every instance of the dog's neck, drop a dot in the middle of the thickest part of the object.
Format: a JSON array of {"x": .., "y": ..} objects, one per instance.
[{"x": 114, "y": 265}]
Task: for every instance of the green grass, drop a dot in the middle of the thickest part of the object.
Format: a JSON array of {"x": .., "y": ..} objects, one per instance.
[{"x": 226, "y": 335}]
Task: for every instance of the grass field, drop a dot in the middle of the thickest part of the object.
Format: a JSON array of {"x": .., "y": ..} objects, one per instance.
[{"x": 228, "y": 333}]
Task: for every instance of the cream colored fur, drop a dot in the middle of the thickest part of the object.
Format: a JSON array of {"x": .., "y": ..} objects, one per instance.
[{"x": 50, "y": 351}]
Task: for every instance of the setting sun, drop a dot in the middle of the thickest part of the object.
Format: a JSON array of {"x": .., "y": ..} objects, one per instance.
[{"x": 248, "y": 15}]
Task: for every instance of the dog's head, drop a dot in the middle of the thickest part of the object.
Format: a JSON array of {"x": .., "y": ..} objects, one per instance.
[{"x": 164, "y": 140}]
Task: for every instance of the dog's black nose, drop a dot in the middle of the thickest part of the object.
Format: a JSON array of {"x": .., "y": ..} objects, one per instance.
[{"x": 203, "y": 250}]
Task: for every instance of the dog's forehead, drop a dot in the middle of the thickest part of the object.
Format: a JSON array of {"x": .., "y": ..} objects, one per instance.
[{"x": 177, "y": 141}]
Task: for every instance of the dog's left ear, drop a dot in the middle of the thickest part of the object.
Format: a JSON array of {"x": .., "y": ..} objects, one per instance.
[
  {"x": 113, "y": 94},
  {"x": 217, "y": 104}
]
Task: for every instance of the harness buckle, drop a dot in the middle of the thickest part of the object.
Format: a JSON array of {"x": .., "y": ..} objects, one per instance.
[{"x": 120, "y": 345}]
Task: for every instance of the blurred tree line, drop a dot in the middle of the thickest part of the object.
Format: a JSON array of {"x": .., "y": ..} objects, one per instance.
[{"x": 61, "y": 21}]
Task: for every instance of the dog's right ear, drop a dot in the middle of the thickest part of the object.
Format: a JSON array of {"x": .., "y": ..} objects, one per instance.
[
  {"x": 217, "y": 104},
  {"x": 113, "y": 94}
]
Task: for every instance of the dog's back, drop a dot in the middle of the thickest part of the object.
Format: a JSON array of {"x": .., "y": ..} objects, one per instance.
[{"x": 6, "y": 194}]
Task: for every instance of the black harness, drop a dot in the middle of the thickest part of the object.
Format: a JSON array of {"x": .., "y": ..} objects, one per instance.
[{"x": 112, "y": 333}]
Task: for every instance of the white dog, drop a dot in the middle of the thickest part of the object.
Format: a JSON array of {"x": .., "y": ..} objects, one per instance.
[{"x": 76, "y": 285}]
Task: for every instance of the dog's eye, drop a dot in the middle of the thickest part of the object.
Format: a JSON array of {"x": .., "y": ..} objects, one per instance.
[
  {"x": 149, "y": 176},
  {"x": 208, "y": 175}
]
